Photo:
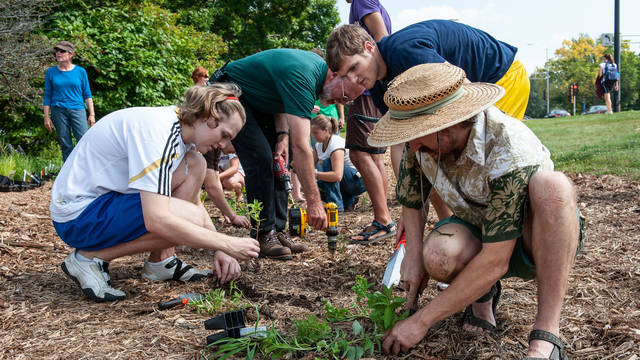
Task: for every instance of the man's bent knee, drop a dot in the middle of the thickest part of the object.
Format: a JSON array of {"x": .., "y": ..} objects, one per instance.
[
  {"x": 551, "y": 191},
  {"x": 447, "y": 250}
]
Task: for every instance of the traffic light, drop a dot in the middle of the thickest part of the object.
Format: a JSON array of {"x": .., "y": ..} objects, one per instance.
[{"x": 571, "y": 93}]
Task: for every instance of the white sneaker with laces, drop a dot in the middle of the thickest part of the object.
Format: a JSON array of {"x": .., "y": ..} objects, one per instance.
[
  {"x": 92, "y": 277},
  {"x": 175, "y": 269}
]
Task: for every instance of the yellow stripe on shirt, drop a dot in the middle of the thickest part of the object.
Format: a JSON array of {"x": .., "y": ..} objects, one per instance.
[{"x": 154, "y": 165}]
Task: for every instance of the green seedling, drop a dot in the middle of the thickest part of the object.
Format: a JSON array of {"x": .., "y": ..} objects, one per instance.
[
  {"x": 381, "y": 305},
  {"x": 252, "y": 211},
  {"x": 217, "y": 300}
]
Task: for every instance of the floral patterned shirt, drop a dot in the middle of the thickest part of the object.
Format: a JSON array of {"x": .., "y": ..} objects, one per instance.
[{"x": 487, "y": 185}]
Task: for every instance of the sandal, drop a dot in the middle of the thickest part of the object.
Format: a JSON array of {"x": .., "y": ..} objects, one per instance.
[
  {"x": 471, "y": 319},
  {"x": 366, "y": 235},
  {"x": 558, "y": 352}
]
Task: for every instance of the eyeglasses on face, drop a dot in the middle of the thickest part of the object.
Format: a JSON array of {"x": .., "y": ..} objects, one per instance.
[
  {"x": 345, "y": 99},
  {"x": 60, "y": 51}
]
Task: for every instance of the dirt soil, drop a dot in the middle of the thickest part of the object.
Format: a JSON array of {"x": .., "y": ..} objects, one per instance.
[{"x": 43, "y": 314}]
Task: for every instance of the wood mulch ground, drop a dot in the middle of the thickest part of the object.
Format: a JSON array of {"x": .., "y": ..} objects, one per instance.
[{"x": 44, "y": 315}]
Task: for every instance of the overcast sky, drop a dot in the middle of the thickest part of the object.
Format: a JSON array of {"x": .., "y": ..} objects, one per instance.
[{"x": 531, "y": 26}]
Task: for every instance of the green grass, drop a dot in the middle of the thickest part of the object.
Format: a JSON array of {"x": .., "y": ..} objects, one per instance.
[
  {"x": 16, "y": 163},
  {"x": 599, "y": 144}
]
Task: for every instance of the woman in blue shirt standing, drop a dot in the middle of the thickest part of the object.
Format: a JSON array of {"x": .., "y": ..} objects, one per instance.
[{"x": 66, "y": 89}]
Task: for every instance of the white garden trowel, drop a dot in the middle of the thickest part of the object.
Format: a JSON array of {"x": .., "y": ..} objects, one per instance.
[{"x": 392, "y": 272}]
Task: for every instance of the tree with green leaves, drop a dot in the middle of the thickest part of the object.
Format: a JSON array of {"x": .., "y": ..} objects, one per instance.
[
  {"x": 136, "y": 54},
  {"x": 24, "y": 55},
  {"x": 577, "y": 62},
  {"x": 249, "y": 26}
]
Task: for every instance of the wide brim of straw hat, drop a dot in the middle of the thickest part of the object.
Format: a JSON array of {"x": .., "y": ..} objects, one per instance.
[{"x": 477, "y": 97}]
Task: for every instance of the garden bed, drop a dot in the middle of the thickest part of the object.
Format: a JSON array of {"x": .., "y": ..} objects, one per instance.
[{"x": 44, "y": 315}]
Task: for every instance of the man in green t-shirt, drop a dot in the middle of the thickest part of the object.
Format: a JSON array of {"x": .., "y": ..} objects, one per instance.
[{"x": 279, "y": 89}]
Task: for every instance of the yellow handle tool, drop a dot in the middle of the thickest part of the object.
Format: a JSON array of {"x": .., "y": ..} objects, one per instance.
[{"x": 332, "y": 225}]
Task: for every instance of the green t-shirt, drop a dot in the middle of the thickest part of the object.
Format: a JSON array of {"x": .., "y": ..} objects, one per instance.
[
  {"x": 280, "y": 80},
  {"x": 329, "y": 110}
]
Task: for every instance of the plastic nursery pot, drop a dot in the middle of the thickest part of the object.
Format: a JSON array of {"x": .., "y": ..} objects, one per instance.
[
  {"x": 231, "y": 322},
  {"x": 5, "y": 184}
]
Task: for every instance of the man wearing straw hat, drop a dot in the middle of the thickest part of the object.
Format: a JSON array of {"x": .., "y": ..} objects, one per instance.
[{"x": 513, "y": 215}]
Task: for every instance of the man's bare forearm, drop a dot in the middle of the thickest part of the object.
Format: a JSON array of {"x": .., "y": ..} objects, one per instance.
[{"x": 305, "y": 170}]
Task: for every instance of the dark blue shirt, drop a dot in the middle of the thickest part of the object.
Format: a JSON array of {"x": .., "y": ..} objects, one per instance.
[
  {"x": 483, "y": 58},
  {"x": 66, "y": 89}
]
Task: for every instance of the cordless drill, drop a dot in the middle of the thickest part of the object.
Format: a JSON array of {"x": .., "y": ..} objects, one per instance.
[
  {"x": 280, "y": 171},
  {"x": 332, "y": 225},
  {"x": 297, "y": 221}
]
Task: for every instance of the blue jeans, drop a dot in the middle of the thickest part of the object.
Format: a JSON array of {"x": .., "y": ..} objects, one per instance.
[
  {"x": 344, "y": 193},
  {"x": 66, "y": 120}
]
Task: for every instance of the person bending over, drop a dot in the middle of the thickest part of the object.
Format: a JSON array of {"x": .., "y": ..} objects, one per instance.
[
  {"x": 132, "y": 185},
  {"x": 279, "y": 89},
  {"x": 513, "y": 216}
]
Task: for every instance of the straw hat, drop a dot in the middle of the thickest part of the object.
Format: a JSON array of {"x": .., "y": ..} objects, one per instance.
[{"x": 428, "y": 98}]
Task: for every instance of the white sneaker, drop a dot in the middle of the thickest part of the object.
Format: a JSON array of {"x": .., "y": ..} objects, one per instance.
[
  {"x": 441, "y": 286},
  {"x": 175, "y": 269},
  {"x": 92, "y": 277}
]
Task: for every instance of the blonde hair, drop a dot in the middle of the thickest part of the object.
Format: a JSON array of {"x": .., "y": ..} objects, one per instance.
[
  {"x": 325, "y": 122},
  {"x": 201, "y": 102},
  {"x": 346, "y": 40},
  {"x": 199, "y": 72}
]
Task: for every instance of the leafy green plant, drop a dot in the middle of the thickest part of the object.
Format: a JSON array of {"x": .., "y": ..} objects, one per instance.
[
  {"x": 335, "y": 314},
  {"x": 250, "y": 210},
  {"x": 327, "y": 338},
  {"x": 217, "y": 300},
  {"x": 381, "y": 306},
  {"x": 311, "y": 329}
]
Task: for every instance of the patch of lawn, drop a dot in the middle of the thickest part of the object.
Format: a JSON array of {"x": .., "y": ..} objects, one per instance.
[{"x": 599, "y": 144}]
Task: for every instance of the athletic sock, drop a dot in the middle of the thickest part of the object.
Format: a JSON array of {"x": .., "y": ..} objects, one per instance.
[
  {"x": 163, "y": 262},
  {"x": 79, "y": 257}
]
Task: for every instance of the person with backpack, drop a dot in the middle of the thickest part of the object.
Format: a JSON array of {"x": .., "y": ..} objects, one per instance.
[{"x": 609, "y": 74}]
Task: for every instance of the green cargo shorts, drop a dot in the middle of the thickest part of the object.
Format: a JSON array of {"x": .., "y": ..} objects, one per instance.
[{"x": 520, "y": 264}]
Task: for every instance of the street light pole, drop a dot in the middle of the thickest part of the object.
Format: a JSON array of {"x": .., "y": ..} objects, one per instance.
[
  {"x": 616, "y": 53},
  {"x": 547, "y": 66}
]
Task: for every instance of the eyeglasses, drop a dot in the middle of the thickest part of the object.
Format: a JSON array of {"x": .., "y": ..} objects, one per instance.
[
  {"x": 345, "y": 99},
  {"x": 60, "y": 51}
]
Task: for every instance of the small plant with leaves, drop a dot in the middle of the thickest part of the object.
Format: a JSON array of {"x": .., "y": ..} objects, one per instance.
[
  {"x": 250, "y": 210},
  {"x": 217, "y": 300},
  {"x": 381, "y": 306}
]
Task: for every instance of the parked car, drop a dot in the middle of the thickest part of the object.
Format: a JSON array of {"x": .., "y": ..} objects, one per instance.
[
  {"x": 596, "y": 109},
  {"x": 557, "y": 113}
]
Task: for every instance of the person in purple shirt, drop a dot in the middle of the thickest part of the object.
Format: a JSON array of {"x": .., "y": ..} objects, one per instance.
[
  {"x": 363, "y": 114},
  {"x": 66, "y": 90}
]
